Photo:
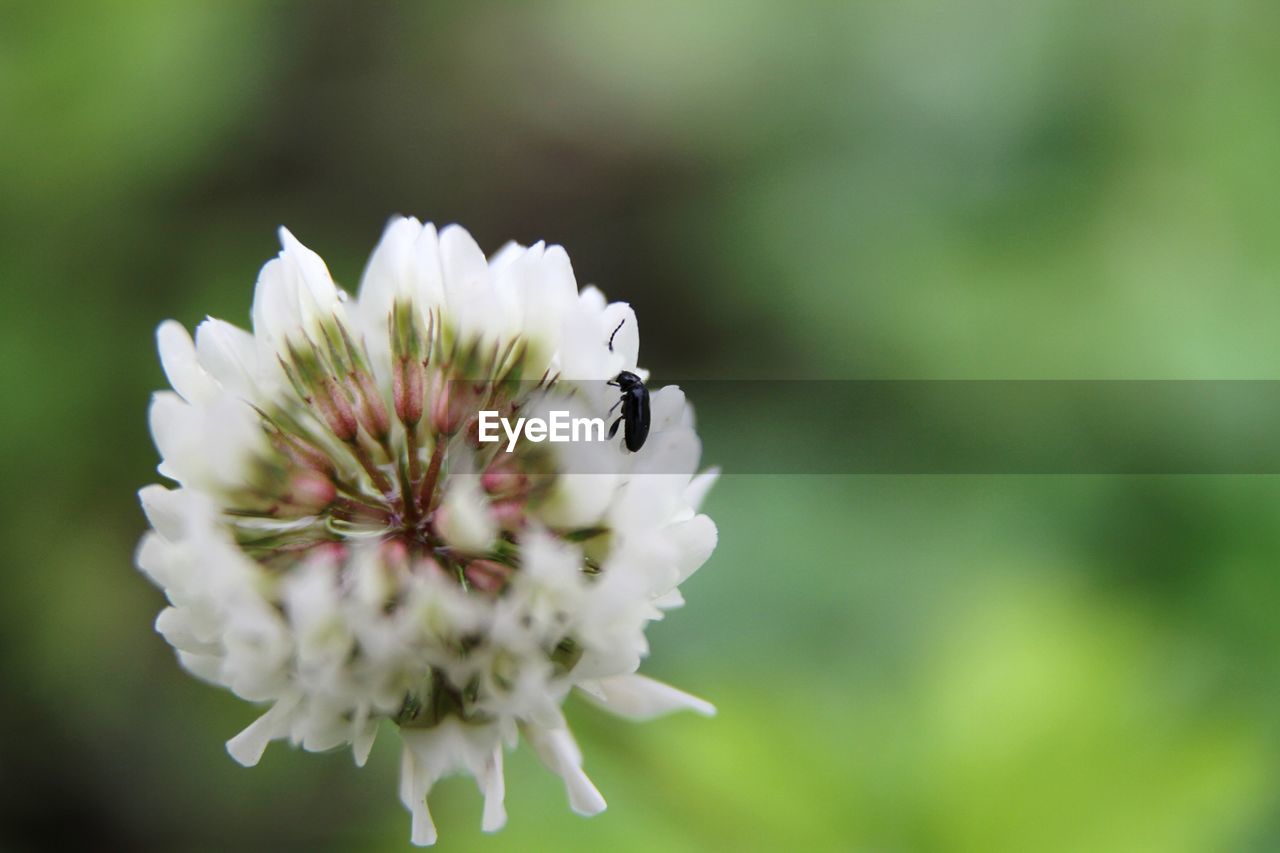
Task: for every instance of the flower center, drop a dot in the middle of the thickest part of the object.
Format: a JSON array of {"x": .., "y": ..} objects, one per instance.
[{"x": 341, "y": 471}]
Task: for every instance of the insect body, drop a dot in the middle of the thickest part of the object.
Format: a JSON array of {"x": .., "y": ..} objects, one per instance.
[
  {"x": 635, "y": 405},
  {"x": 635, "y": 410}
]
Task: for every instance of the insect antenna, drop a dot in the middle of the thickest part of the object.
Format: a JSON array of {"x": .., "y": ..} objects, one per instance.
[{"x": 615, "y": 332}]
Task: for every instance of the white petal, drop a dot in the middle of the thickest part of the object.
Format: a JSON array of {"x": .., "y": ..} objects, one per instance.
[
  {"x": 619, "y": 316},
  {"x": 231, "y": 433},
  {"x": 669, "y": 600},
  {"x": 578, "y": 500},
  {"x": 674, "y": 447},
  {"x": 509, "y": 251},
  {"x": 204, "y": 667},
  {"x": 464, "y": 521},
  {"x": 178, "y": 357},
  {"x": 559, "y": 282},
  {"x": 408, "y": 768},
  {"x": 317, "y": 295},
  {"x": 428, "y": 282},
  {"x": 539, "y": 283},
  {"x": 695, "y": 539},
  {"x": 175, "y": 625},
  {"x": 699, "y": 486},
  {"x": 362, "y": 742},
  {"x": 164, "y": 509},
  {"x": 275, "y": 306},
  {"x": 155, "y": 557},
  {"x": 229, "y": 354},
  {"x": 324, "y": 729},
  {"x": 390, "y": 266},
  {"x": 477, "y": 309},
  {"x": 175, "y": 429},
  {"x": 600, "y": 662},
  {"x": 248, "y": 746},
  {"x": 639, "y": 698},
  {"x": 423, "y": 832},
  {"x": 584, "y": 354},
  {"x": 561, "y": 755},
  {"x": 494, "y": 788},
  {"x": 414, "y": 786},
  {"x": 591, "y": 299},
  {"x": 463, "y": 263}
]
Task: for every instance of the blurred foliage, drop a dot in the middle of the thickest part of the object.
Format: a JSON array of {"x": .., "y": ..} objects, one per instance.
[{"x": 1047, "y": 189}]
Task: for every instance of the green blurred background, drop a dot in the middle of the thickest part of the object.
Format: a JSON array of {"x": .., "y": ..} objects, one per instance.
[{"x": 1040, "y": 189}]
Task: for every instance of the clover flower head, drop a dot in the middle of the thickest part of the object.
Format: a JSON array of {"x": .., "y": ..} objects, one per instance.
[{"x": 341, "y": 548}]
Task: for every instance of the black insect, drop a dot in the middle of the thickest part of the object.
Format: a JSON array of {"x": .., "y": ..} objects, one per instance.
[{"x": 635, "y": 405}]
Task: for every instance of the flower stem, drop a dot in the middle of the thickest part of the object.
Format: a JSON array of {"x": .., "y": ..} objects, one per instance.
[
  {"x": 427, "y": 493},
  {"x": 411, "y": 446},
  {"x": 380, "y": 481},
  {"x": 406, "y": 496}
]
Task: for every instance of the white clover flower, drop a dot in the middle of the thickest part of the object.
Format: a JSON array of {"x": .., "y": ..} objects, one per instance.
[{"x": 342, "y": 547}]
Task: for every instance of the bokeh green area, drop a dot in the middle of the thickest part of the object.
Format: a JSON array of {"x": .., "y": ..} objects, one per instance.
[{"x": 1043, "y": 189}]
